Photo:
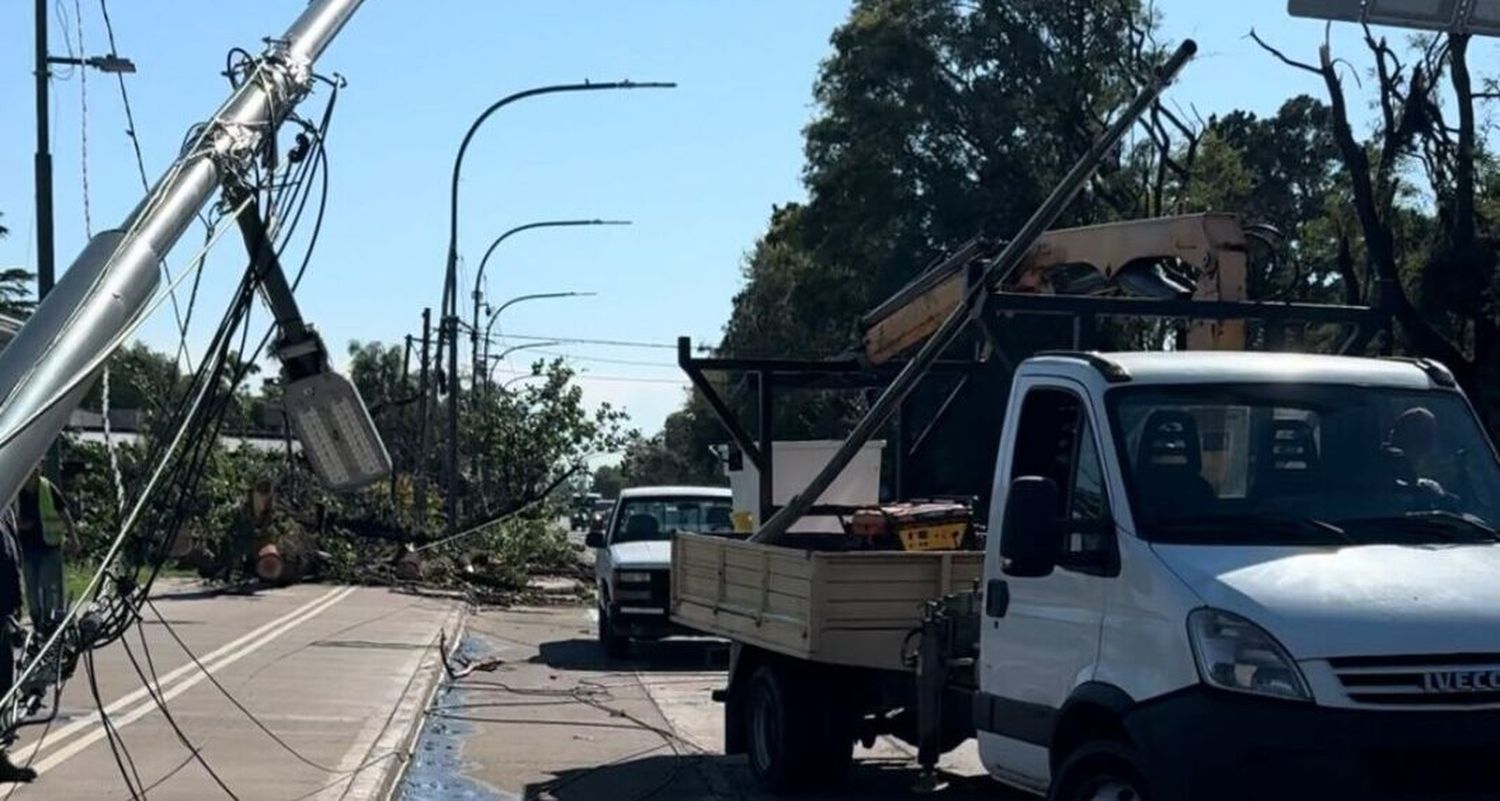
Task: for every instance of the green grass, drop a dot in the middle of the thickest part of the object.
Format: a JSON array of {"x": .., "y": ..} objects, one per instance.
[{"x": 76, "y": 577}]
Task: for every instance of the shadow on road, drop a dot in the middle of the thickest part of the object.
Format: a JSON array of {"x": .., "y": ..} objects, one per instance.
[
  {"x": 205, "y": 593},
  {"x": 667, "y": 655},
  {"x": 665, "y": 777}
]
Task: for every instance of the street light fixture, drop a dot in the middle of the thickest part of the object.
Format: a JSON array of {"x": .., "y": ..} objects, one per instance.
[
  {"x": 450, "y": 278},
  {"x": 479, "y": 276}
]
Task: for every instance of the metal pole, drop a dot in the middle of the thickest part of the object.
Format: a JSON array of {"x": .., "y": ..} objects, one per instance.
[
  {"x": 419, "y": 471},
  {"x": 479, "y": 276},
  {"x": 454, "y": 387},
  {"x": 46, "y": 256},
  {"x": 115, "y": 276},
  {"x": 994, "y": 275},
  {"x": 450, "y": 277}
]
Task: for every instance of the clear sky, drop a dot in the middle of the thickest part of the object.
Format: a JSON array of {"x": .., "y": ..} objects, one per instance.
[{"x": 697, "y": 168}]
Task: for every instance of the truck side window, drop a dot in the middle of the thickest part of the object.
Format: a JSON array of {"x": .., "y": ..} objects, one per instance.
[
  {"x": 1055, "y": 440},
  {"x": 1046, "y": 440},
  {"x": 1089, "y": 501}
]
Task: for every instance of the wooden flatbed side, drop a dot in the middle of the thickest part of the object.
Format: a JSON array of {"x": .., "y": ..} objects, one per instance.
[{"x": 845, "y": 608}]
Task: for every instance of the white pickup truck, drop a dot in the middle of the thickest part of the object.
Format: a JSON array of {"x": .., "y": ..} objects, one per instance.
[
  {"x": 1207, "y": 576},
  {"x": 633, "y": 552}
]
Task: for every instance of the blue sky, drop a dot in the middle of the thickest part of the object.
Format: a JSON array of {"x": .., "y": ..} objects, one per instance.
[{"x": 697, "y": 168}]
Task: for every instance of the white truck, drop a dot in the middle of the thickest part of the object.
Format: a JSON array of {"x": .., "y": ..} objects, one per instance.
[
  {"x": 1207, "y": 575},
  {"x": 633, "y": 552}
]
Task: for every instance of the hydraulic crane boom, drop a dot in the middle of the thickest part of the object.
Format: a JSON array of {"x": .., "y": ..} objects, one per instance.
[{"x": 994, "y": 272}]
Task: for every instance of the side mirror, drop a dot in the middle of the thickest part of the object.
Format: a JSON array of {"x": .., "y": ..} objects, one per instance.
[
  {"x": 1029, "y": 537},
  {"x": 594, "y": 539}
]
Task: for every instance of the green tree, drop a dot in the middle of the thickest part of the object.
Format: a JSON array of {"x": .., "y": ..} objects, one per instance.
[
  {"x": 15, "y": 286},
  {"x": 517, "y": 444},
  {"x": 608, "y": 480},
  {"x": 678, "y": 454}
]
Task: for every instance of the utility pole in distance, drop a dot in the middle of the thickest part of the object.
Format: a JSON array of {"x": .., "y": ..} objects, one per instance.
[
  {"x": 419, "y": 471},
  {"x": 45, "y": 255},
  {"x": 46, "y": 246}
]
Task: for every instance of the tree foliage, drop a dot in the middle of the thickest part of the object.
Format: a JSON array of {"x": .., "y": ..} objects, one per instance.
[
  {"x": 939, "y": 119},
  {"x": 15, "y": 286}
]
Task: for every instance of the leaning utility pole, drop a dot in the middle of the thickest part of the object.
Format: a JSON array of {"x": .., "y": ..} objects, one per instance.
[{"x": 46, "y": 370}]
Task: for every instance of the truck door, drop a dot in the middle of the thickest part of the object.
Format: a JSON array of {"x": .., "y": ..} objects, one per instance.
[{"x": 1040, "y": 636}]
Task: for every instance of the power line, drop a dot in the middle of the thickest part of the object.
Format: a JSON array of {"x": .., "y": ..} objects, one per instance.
[
  {"x": 616, "y": 343},
  {"x": 601, "y": 360},
  {"x": 624, "y": 379},
  {"x": 83, "y": 122},
  {"x": 140, "y": 165}
]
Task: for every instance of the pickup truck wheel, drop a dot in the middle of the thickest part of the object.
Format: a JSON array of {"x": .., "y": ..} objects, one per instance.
[
  {"x": 797, "y": 739},
  {"x": 615, "y": 645},
  {"x": 1100, "y": 771}
]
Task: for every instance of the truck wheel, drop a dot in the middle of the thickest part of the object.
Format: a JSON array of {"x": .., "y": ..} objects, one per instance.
[
  {"x": 615, "y": 645},
  {"x": 1100, "y": 771},
  {"x": 795, "y": 739}
]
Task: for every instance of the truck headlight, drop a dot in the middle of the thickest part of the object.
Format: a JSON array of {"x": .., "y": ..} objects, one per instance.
[
  {"x": 1235, "y": 654},
  {"x": 633, "y": 576}
]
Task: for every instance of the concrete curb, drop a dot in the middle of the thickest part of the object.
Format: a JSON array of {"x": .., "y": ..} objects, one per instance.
[{"x": 426, "y": 690}]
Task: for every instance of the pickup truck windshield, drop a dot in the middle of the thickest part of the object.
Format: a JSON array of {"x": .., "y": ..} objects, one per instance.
[
  {"x": 1296, "y": 464},
  {"x": 643, "y": 519}
]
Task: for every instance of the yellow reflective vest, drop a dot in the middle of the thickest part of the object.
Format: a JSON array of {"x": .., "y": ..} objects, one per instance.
[{"x": 54, "y": 528}]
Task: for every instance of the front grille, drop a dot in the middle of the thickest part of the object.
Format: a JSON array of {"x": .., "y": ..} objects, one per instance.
[
  {"x": 661, "y": 588},
  {"x": 1463, "y": 680}
]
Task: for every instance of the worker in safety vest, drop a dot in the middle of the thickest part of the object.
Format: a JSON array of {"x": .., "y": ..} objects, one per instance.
[
  {"x": 43, "y": 525},
  {"x": 10, "y": 604}
]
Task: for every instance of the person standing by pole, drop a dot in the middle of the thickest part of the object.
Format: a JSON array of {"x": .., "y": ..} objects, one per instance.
[
  {"x": 10, "y": 605},
  {"x": 43, "y": 524}
]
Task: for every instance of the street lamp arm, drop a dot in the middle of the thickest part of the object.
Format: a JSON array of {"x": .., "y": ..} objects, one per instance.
[
  {"x": 463, "y": 148},
  {"x": 479, "y": 276},
  {"x": 538, "y": 296}
]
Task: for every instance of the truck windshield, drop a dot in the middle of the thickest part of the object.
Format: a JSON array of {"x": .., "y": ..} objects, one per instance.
[
  {"x": 659, "y": 518},
  {"x": 1281, "y": 464}
]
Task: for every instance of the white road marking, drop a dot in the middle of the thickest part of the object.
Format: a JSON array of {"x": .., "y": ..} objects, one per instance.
[
  {"x": 57, "y": 756},
  {"x": 91, "y": 719}
]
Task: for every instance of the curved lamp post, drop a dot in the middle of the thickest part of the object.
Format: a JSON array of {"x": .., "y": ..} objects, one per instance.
[
  {"x": 450, "y": 277},
  {"x": 494, "y": 360},
  {"x": 479, "y": 276},
  {"x": 495, "y": 315}
]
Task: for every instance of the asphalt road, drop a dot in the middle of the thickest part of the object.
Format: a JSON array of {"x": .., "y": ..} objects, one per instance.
[
  {"x": 557, "y": 720},
  {"x": 339, "y": 675}
]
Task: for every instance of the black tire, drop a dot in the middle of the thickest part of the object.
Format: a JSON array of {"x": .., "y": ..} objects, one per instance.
[
  {"x": 615, "y": 645},
  {"x": 1100, "y": 771},
  {"x": 795, "y": 740}
]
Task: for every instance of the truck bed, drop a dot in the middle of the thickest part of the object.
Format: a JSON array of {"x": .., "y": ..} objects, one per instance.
[{"x": 846, "y": 608}]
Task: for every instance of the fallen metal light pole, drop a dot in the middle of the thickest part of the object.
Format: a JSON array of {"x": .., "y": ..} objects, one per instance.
[{"x": 114, "y": 277}]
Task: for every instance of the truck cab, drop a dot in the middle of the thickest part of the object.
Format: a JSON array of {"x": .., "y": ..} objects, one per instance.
[
  {"x": 1225, "y": 575},
  {"x": 633, "y": 557}
]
